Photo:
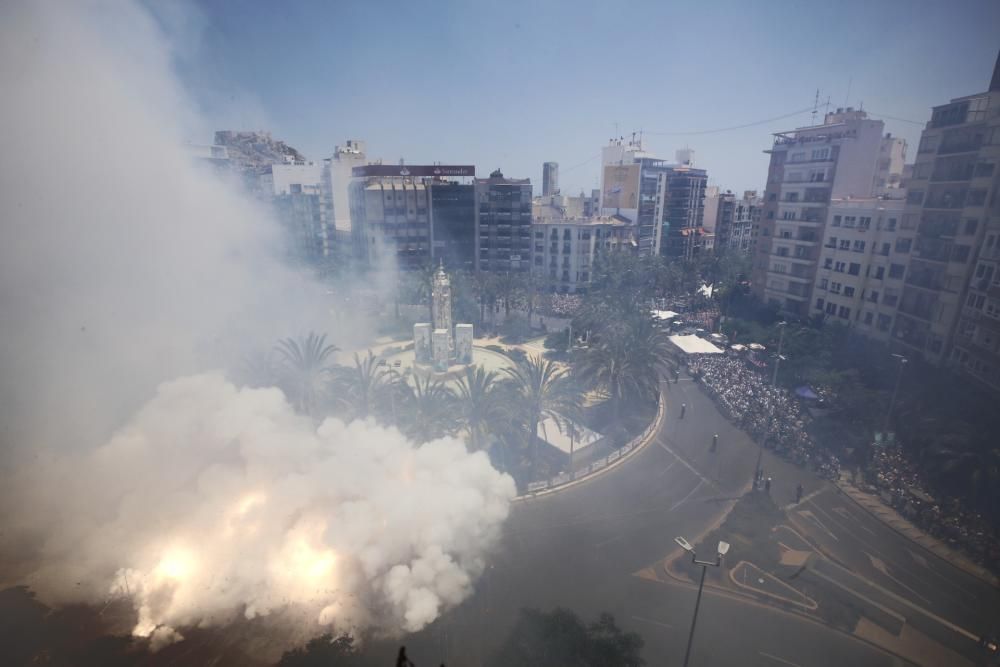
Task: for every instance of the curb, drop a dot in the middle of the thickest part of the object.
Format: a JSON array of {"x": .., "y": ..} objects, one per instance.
[
  {"x": 655, "y": 426},
  {"x": 953, "y": 556}
]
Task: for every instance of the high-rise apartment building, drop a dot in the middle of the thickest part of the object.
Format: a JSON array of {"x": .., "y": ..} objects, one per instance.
[
  {"x": 745, "y": 218},
  {"x": 503, "y": 223},
  {"x": 950, "y": 309},
  {"x": 414, "y": 214},
  {"x": 809, "y": 167},
  {"x": 336, "y": 181},
  {"x": 859, "y": 281},
  {"x": 663, "y": 201},
  {"x": 550, "y": 179}
]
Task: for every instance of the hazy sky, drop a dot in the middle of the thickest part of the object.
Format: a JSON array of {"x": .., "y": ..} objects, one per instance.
[{"x": 512, "y": 84}]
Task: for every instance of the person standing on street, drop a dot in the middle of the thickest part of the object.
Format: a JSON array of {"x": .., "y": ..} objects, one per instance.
[
  {"x": 684, "y": 407},
  {"x": 767, "y": 485},
  {"x": 798, "y": 493},
  {"x": 715, "y": 443}
]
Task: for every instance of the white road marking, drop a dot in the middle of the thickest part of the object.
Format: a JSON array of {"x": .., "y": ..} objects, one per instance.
[
  {"x": 809, "y": 515},
  {"x": 649, "y": 620},
  {"x": 665, "y": 470},
  {"x": 777, "y": 659},
  {"x": 684, "y": 499},
  {"x": 917, "y": 557},
  {"x": 880, "y": 565},
  {"x": 842, "y": 511}
]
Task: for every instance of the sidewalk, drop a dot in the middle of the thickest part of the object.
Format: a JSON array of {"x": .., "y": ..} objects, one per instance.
[{"x": 890, "y": 517}]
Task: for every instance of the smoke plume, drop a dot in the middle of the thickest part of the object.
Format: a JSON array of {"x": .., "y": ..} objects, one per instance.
[{"x": 123, "y": 267}]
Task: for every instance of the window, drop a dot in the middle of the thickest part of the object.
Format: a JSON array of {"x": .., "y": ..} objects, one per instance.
[
  {"x": 845, "y": 244},
  {"x": 885, "y": 249},
  {"x": 915, "y": 197},
  {"x": 819, "y": 304},
  {"x": 797, "y": 157},
  {"x": 821, "y": 154},
  {"x": 976, "y": 197},
  {"x": 836, "y": 221},
  {"x": 903, "y": 245},
  {"x": 854, "y": 269},
  {"x": 844, "y": 312},
  {"x": 879, "y": 272},
  {"x": 971, "y": 226},
  {"x": 839, "y": 267},
  {"x": 929, "y": 143},
  {"x": 788, "y": 215},
  {"x": 848, "y": 291},
  {"x": 891, "y": 224},
  {"x": 975, "y": 301},
  {"x": 859, "y": 246},
  {"x": 827, "y": 262},
  {"x": 831, "y": 308},
  {"x": 960, "y": 253},
  {"x": 896, "y": 270},
  {"x": 850, "y": 221},
  {"x": 984, "y": 169},
  {"x": 832, "y": 242},
  {"x": 835, "y": 288},
  {"x": 822, "y": 283},
  {"x": 868, "y": 318},
  {"x": 770, "y": 216},
  {"x": 884, "y": 322},
  {"x": 864, "y": 222},
  {"x": 873, "y": 296}
]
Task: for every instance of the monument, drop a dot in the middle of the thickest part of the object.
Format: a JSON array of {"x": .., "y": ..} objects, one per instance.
[{"x": 440, "y": 344}]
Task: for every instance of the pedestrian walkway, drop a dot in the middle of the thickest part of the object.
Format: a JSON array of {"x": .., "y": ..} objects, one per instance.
[{"x": 892, "y": 518}]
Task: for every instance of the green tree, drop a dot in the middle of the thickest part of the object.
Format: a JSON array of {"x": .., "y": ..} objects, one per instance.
[
  {"x": 427, "y": 411},
  {"x": 364, "y": 388},
  {"x": 626, "y": 361},
  {"x": 480, "y": 404},
  {"x": 304, "y": 369},
  {"x": 561, "y": 639},
  {"x": 540, "y": 389}
]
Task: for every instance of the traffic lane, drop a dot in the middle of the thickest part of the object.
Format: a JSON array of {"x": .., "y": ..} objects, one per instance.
[
  {"x": 734, "y": 631},
  {"x": 878, "y": 553}
]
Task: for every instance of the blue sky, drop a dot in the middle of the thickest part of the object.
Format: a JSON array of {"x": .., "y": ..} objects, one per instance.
[{"x": 513, "y": 84}]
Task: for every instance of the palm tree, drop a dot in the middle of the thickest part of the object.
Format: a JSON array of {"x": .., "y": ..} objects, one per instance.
[
  {"x": 259, "y": 369},
  {"x": 427, "y": 410},
  {"x": 304, "y": 369},
  {"x": 541, "y": 389},
  {"x": 480, "y": 407},
  {"x": 363, "y": 389},
  {"x": 626, "y": 361}
]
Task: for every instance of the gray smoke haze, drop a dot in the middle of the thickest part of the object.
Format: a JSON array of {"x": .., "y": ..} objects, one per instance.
[{"x": 122, "y": 267}]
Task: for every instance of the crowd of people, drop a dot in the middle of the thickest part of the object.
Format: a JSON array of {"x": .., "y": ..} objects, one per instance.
[
  {"x": 769, "y": 414},
  {"x": 897, "y": 481}
]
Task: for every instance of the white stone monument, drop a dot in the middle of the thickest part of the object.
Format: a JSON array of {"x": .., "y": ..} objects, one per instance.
[{"x": 441, "y": 344}]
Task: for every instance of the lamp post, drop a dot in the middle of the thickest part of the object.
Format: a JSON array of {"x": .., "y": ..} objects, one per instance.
[
  {"x": 777, "y": 360},
  {"x": 895, "y": 391},
  {"x": 722, "y": 550}
]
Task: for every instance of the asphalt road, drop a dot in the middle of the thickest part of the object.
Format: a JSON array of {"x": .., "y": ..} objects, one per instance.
[{"x": 587, "y": 547}]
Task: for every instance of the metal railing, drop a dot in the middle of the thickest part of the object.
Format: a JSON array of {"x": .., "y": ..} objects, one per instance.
[{"x": 595, "y": 466}]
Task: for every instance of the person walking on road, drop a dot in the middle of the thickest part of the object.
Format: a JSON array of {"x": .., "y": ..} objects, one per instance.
[
  {"x": 684, "y": 407},
  {"x": 715, "y": 443},
  {"x": 767, "y": 486},
  {"x": 798, "y": 493}
]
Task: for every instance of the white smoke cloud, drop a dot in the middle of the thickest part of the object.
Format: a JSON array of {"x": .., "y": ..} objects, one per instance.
[
  {"x": 214, "y": 501},
  {"x": 123, "y": 266}
]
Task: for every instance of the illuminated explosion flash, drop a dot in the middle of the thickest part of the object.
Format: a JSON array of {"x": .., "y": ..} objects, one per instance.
[{"x": 216, "y": 500}]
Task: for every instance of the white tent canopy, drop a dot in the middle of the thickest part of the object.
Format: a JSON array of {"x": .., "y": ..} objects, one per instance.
[
  {"x": 664, "y": 315},
  {"x": 694, "y": 345},
  {"x": 549, "y": 431}
]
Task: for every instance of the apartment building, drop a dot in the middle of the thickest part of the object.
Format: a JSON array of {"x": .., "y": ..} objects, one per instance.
[
  {"x": 564, "y": 249},
  {"x": 862, "y": 263},
  {"x": 950, "y": 309},
  {"x": 414, "y": 214},
  {"x": 503, "y": 223},
  {"x": 809, "y": 167}
]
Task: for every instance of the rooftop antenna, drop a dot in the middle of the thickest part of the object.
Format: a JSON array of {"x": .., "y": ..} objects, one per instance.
[
  {"x": 815, "y": 107},
  {"x": 847, "y": 97}
]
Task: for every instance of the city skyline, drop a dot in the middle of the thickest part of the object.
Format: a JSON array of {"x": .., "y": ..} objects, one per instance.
[{"x": 422, "y": 85}]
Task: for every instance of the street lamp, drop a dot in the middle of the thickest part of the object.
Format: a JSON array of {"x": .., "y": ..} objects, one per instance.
[
  {"x": 722, "y": 550},
  {"x": 777, "y": 360},
  {"x": 892, "y": 402}
]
